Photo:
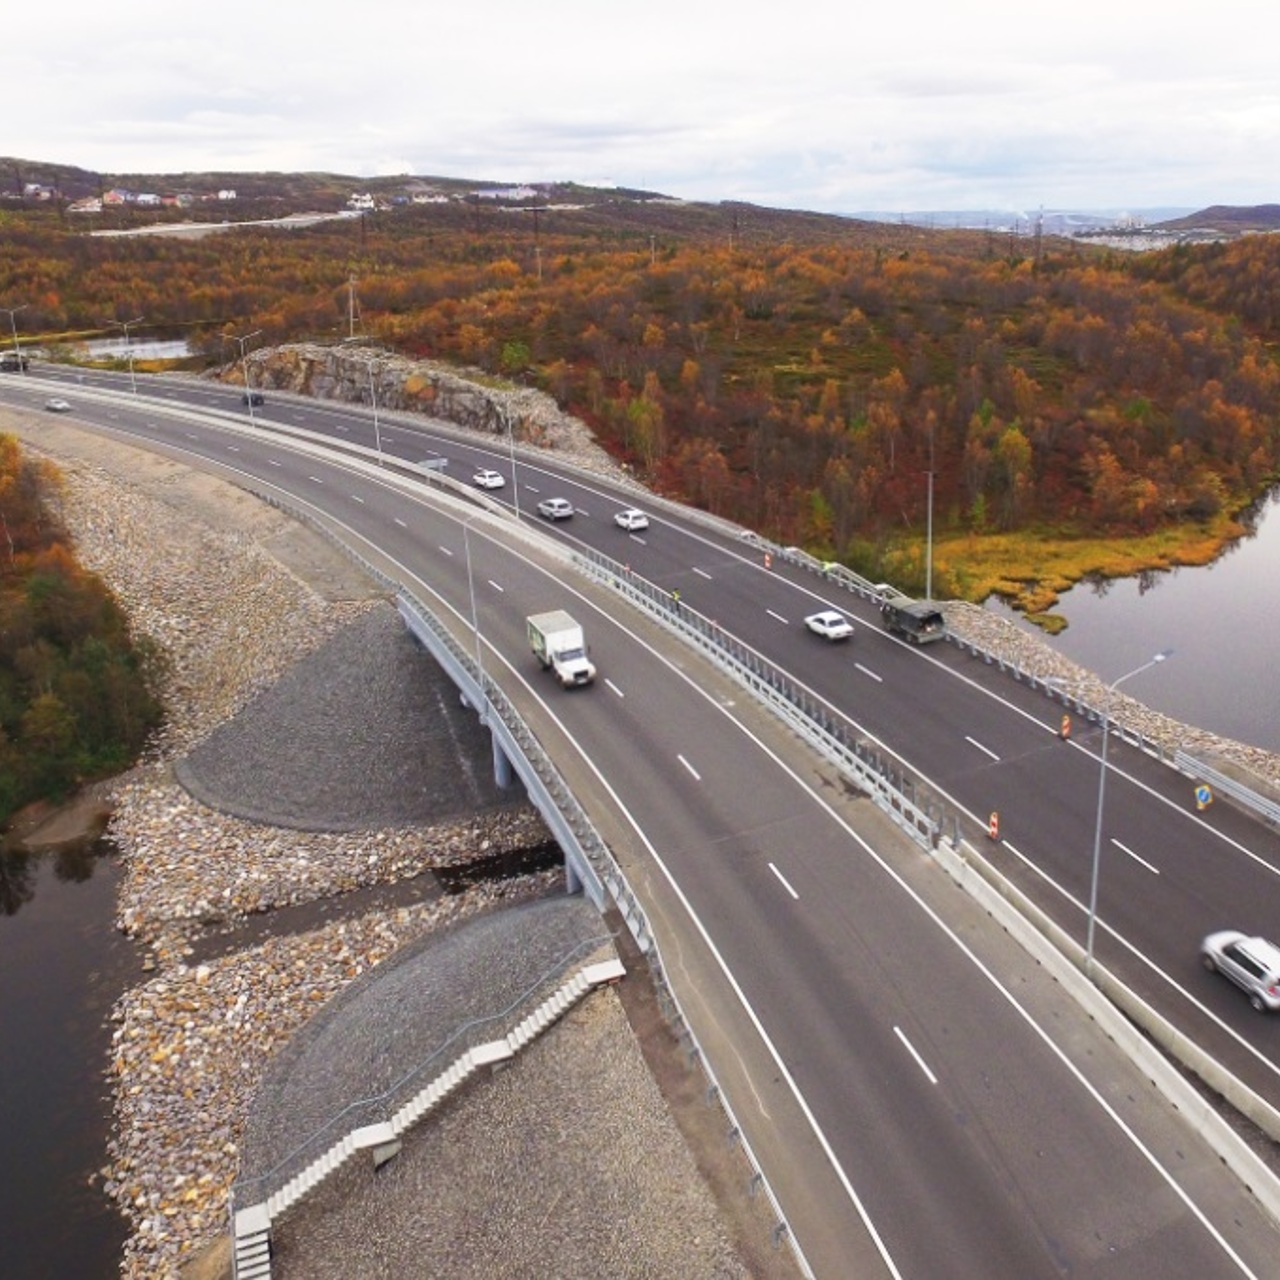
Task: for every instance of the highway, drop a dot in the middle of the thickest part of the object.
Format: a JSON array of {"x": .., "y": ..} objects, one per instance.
[{"x": 934, "y": 1108}]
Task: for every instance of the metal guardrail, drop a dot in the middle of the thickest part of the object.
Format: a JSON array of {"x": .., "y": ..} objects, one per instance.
[
  {"x": 903, "y": 796},
  {"x": 1267, "y": 809},
  {"x": 879, "y": 592}
]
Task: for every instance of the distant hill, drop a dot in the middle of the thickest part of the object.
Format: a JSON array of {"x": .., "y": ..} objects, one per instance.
[
  {"x": 569, "y": 207},
  {"x": 310, "y": 190},
  {"x": 1231, "y": 219}
]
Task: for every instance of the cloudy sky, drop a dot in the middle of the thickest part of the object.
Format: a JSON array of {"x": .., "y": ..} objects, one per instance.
[{"x": 808, "y": 104}]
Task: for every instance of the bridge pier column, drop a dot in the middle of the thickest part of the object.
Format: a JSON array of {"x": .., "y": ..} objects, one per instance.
[
  {"x": 572, "y": 880},
  {"x": 503, "y": 774}
]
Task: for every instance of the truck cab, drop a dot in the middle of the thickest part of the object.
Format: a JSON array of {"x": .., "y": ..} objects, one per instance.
[{"x": 559, "y": 645}]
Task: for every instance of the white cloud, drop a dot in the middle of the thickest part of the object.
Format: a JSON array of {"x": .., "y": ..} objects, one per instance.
[{"x": 807, "y": 104}]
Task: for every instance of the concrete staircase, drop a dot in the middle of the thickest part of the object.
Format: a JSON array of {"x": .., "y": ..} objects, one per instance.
[{"x": 252, "y": 1225}]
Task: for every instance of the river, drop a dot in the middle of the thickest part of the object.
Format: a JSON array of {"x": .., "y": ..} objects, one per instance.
[
  {"x": 64, "y": 964},
  {"x": 1220, "y": 621}
]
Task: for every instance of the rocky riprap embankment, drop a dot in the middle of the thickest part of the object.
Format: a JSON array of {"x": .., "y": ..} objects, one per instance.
[{"x": 1037, "y": 658}]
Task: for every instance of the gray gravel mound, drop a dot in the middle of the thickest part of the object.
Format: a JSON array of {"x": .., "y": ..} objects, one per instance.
[
  {"x": 439, "y": 996},
  {"x": 364, "y": 734}
]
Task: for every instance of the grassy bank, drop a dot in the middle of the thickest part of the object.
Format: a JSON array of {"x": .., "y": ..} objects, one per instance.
[{"x": 1030, "y": 569}]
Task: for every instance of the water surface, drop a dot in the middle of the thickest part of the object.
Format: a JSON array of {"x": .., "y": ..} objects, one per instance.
[
  {"x": 62, "y": 965},
  {"x": 1222, "y": 622}
]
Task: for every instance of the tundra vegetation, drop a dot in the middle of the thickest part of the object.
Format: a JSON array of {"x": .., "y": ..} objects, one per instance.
[{"x": 1081, "y": 412}]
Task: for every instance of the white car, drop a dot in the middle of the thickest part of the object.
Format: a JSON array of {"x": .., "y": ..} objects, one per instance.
[
  {"x": 1253, "y": 964},
  {"x": 631, "y": 520},
  {"x": 829, "y": 624},
  {"x": 488, "y": 480},
  {"x": 57, "y": 405},
  {"x": 555, "y": 508}
]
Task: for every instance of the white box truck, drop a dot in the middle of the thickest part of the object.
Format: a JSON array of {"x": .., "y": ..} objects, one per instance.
[{"x": 558, "y": 643}]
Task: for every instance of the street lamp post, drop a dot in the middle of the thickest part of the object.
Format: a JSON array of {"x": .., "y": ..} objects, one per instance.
[
  {"x": 928, "y": 540},
  {"x": 511, "y": 448},
  {"x": 244, "y": 365},
  {"x": 126, "y": 325},
  {"x": 475, "y": 622},
  {"x": 13, "y": 325},
  {"x": 373, "y": 399},
  {"x": 928, "y": 544},
  {"x": 1102, "y": 787}
]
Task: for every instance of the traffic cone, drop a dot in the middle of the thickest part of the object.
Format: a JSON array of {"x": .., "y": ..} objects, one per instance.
[{"x": 993, "y": 827}]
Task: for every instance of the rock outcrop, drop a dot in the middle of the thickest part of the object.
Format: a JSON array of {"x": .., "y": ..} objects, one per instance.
[{"x": 468, "y": 398}]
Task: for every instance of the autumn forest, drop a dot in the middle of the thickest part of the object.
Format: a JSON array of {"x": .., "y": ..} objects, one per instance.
[
  {"x": 797, "y": 373},
  {"x": 75, "y": 689}
]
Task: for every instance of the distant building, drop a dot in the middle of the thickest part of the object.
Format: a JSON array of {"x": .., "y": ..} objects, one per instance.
[
  {"x": 507, "y": 193},
  {"x": 90, "y": 204}
]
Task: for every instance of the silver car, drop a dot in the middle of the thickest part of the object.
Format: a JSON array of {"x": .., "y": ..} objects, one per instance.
[
  {"x": 631, "y": 520},
  {"x": 1253, "y": 964},
  {"x": 555, "y": 508}
]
